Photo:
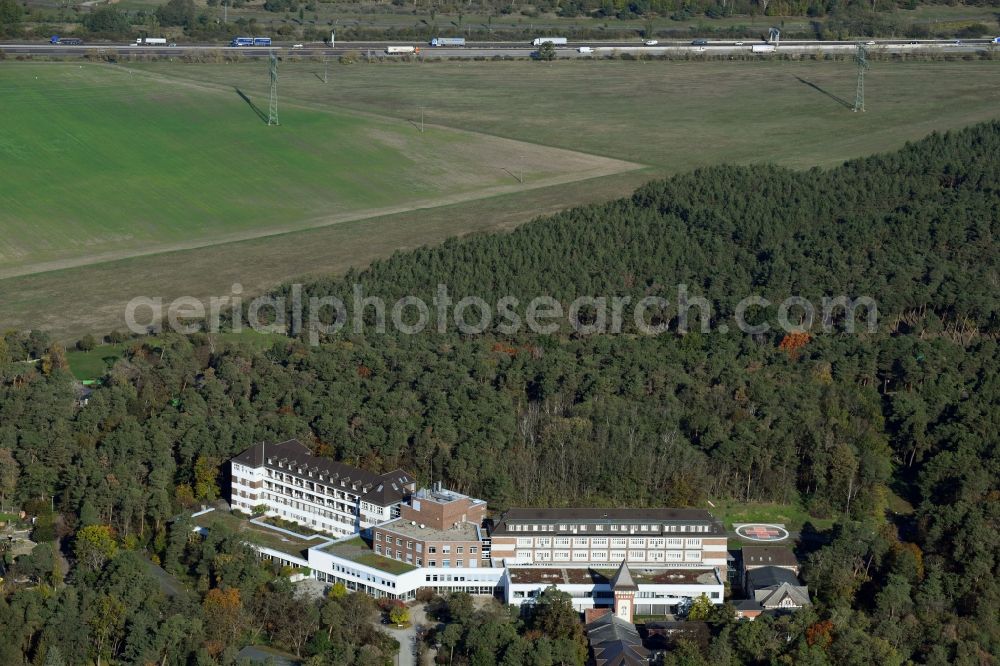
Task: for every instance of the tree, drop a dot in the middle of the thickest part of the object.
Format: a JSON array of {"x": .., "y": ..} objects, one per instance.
[
  {"x": 94, "y": 545},
  {"x": 176, "y": 12},
  {"x": 86, "y": 343},
  {"x": 9, "y": 472},
  {"x": 224, "y": 612},
  {"x": 10, "y": 14},
  {"x": 553, "y": 614},
  {"x": 107, "y": 20},
  {"x": 399, "y": 614},
  {"x": 547, "y": 51},
  {"x": 206, "y": 470},
  {"x": 701, "y": 609}
]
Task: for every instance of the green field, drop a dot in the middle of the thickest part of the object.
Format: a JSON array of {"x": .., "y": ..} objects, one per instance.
[
  {"x": 676, "y": 115},
  {"x": 673, "y": 116},
  {"x": 100, "y": 163}
]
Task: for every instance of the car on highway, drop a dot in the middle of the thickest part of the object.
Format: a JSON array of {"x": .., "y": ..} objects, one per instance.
[
  {"x": 651, "y": 42},
  {"x": 870, "y": 42},
  {"x": 296, "y": 46},
  {"x": 585, "y": 49},
  {"x": 700, "y": 42},
  {"x": 739, "y": 44}
]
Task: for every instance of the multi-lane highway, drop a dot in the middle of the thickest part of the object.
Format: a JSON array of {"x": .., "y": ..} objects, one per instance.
[{"x": 507, "y": 49}]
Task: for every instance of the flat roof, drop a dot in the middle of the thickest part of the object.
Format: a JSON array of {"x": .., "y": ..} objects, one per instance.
[
  {"x": 463, "y": 532},
  {"x": 257, "y": 534},
  {"x": 359, "y": 551},
  {"x": 779, "y": 556},
  {"x": 581, "y": 576}
]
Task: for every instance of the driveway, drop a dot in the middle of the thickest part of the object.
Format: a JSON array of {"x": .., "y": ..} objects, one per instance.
[{"x": 407, "y": 637}]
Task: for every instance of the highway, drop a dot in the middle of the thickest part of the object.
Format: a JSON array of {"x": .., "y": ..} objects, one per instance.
[{"x": 504, "y": 49}]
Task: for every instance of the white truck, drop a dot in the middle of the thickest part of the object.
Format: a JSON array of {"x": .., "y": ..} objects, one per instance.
[
  {"x": 557, "y": 41},
  {"x": 762, "y": 48},
  {"x": 150, "y": 41},
  {"x": 401, "y": 50}
]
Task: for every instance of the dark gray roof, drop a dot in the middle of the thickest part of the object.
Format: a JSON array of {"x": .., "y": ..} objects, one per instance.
[
  {"x": 747, "y": 605},
  {"x": 777, "y": 556},
  {"x": 295, "y": 458},
  {"x": 660, "y": 517},
  {"x": 623, "y": 579},
  {"x": 770, "y": 577},
  {"x": 770, "y": 585},
  {"x": 615, "y": 642}
]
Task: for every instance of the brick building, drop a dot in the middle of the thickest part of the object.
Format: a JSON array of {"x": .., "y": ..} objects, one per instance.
[{"x": 436, "y": 528}]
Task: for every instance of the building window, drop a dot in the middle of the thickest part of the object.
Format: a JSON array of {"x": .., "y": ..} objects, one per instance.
[
  {"x": 432, "y": 563},
  {"x": 473, "y": 550},
  {"x": 460, "y": 549},
  {"x": 459, "y": 563},
  {"x": 432, "y": 549},
  {"x": 446, "y": 563}
]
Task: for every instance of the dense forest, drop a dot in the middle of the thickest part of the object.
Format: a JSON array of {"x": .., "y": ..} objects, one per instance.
[{"x": 890, "y": 432}]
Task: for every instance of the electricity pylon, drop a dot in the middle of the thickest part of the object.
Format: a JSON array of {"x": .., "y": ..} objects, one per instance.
[
  {"x": 272, "y": 109},
  {"x": 862, "y": 59}
]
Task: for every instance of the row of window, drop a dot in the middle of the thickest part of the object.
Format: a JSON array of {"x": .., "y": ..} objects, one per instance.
[
  {"x": 326, "y": 490},
  {"x": 309, "y": 472},
  {"x": 601, "y": 527},
  {"x": 604, "y": 542},
  {"x": 445, "y": 549},
  {"x": 608, "y": 556},
  {"x": 403, "y": 556}
]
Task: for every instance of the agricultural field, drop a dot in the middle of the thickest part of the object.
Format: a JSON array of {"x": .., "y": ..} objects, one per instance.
[
  {"x": 228, "y": 200},
  {"x": 674, "y": 115},
  {"x": 101, "y": 162}
]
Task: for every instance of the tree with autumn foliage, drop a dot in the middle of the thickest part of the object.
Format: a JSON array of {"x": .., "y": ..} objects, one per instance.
[{"x": 224, "y": 613}]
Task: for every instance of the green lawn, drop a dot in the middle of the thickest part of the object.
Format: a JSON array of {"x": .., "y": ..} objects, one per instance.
[
  {"x": 98, "y": 162},
  {"x": 791, "y": 516},
  {"x": 357, "y": 550},
  {"x": 259, "y": 535}
]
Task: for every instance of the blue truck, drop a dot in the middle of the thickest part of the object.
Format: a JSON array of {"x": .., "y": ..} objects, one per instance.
[
  {"x": 65, "y": 41},
  {"x": 250, "y": 41},
  {"x": 448, "y": 41}
]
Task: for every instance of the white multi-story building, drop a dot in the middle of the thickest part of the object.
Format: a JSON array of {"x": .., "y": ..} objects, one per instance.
[
  {"x": 582, "y": 537},
  {"x": 288, "y": 481},
  {"x": 651, "y": 560}
]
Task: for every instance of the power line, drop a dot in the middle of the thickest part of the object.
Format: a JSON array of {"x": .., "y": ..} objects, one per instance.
[
  {"x": 863, "y": 64},
  {"x": 272, "y": 110}
]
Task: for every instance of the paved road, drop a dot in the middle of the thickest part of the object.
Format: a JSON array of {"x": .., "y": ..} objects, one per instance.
[
  {"x": 407, "y": 637},
  {"x": 505, "y": 49}
]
